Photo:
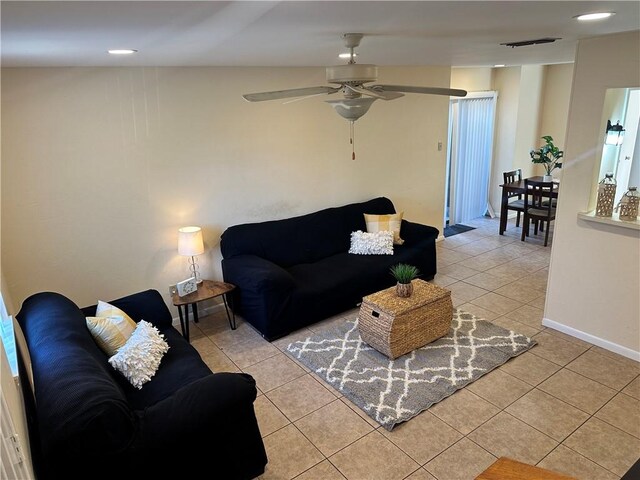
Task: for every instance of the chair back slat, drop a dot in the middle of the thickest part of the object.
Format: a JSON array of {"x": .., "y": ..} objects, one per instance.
[{"x": 511, "y": 177}]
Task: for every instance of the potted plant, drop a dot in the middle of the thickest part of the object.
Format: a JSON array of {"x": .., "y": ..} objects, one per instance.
[
  {"x": 549, "y": 156},
  {"x": 403, "y": 274}
]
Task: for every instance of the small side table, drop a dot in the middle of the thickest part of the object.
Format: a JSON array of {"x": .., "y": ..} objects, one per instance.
[{"x": 206, "y": 290}]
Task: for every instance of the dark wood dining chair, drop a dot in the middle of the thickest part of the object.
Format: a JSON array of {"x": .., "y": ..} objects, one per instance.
[
  {"x": 537, "y": 208},
  {"x": 516, "y": 205}
]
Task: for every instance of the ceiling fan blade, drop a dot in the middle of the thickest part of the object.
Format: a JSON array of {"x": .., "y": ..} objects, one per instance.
[
  {"x": 294, "y": 92},
  {"x": 298, "y": 99},
  {"x": 453, "y": 92},
  {"x": 374, "y": 93}
]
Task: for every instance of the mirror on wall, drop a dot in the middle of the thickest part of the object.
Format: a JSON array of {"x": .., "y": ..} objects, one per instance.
[{"x": 621, "y": 149}]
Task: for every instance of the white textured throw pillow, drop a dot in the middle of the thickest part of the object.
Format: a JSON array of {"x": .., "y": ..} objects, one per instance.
[
  {"x": 138, "y": 359},
  {"x": 376, "y": 243}
]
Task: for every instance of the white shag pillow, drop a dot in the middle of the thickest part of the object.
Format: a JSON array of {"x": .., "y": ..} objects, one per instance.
[
  {"x": 138, "y": 359},
  {"x": 375, "y": 243}
]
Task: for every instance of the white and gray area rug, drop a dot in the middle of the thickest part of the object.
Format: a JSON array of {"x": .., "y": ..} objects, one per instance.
[{"x": 394, "y": 391}]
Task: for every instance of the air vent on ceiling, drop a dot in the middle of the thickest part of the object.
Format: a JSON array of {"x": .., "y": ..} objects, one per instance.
[{"x": 531, "y": 42}]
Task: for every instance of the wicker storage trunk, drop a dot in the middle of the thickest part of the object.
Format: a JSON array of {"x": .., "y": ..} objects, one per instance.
[{"x": 395, "y": 326}]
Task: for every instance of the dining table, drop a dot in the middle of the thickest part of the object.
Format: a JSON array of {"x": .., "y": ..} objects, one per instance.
[{"x": 519, "y": 187}]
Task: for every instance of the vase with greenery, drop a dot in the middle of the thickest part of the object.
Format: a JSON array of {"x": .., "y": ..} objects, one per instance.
[
  {"x": 404, "y": 273},
  {"x": 548, "y": 155}
]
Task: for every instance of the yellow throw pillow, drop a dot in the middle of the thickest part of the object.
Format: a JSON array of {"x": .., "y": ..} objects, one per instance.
[
  {"x": 110, "y": 328},
  {"x": 380, "y": 223}
]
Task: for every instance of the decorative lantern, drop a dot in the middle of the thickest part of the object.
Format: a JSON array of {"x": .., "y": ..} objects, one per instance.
[
  {"x": 628, "y": 205},
  {"x": 606, "y": 196}
]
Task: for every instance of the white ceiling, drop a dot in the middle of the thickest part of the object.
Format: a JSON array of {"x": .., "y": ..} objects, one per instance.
[{"x": 294, "y": 33}]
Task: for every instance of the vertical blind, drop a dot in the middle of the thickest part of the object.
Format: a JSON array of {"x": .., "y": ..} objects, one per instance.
[{"x": 474, "y": 145}]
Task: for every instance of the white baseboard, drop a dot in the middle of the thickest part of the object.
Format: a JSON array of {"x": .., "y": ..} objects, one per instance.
[
  {"x": 202, "y": 312},
  {"x": 587, "y": 337},
  {"x": 440, "y": 238}
]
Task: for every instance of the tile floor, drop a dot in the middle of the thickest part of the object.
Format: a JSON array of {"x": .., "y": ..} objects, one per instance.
[{"x": 565, "y": 405}]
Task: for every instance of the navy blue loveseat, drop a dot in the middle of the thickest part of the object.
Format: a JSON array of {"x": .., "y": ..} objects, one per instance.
[
  {"x": 294, "y": 272},
  {"x": 92, "y": 424}
]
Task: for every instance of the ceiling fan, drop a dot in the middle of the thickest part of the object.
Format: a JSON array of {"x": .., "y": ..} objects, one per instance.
[{"x": 351, "y": 79}]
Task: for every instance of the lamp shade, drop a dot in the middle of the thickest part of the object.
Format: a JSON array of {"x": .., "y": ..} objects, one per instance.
[{"x": 190, "y": 241}]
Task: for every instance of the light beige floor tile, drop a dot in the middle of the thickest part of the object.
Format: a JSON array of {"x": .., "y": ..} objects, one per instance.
[
  {"x": 623, "y": 412},
  {"x": 530, "y": 368},
  {"x": 289, "y": 454},
  {"x": 555, "y": 349},
  {"x": 477, "y": 248},
  {"x": 421, "y": 474},
  {"x": 506, "y": 322},
  {"x": 248, "y": 351},
  {"x": 269, "y": 417},
  {"x": 529, "y": 315},
  {"x": 451, "y": 243},
  {"x": 606, "y": 445},
  {"x": 484, "y": 262},
  {"x": 333, "y": 427},
  {"x": 565, "y": 461},
  {"x": 529, "y": 263},
  {"x": 464, "y": 411},
  {"x": 615, "y": 356},
  {"x": 581, "y": 392},
  {"x": 464, "y": 460},
  {"x": 506, "y": 436},
  {"x": 604, "y": 369},
  {"x": 449, "y": 257},
  {"x": 457, "y": 271},
  {"x": 496, "y": 303},
  {"x": 412, "y": 439},
  {"x": 551, "y": 416},
  {"x": 322, "y": 471},
  {"x": 499, "y": 388},
  {"x": 478, "y": 311},
  {"x": 443, "y": 280},
  {"x": 274, "y": 371},
  {"x": 373, "y": 457},
  {"x": 487, "y": 281},
  {"x": 359, "y": 411},
  {"x": 633, "y": 389},
  {"x": 217, "y": 361},
  {"x": 539, "y": 302},
  {"x": 520, "y": 291},
  {"x": 465, "y": 292},
  {"x": 300, "y": 397},
  {"x": 506, "y": 272},
  {"x": 567, "y": 338}
]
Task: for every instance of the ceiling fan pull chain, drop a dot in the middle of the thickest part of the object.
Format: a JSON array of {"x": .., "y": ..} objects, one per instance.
[{"x": 352, "y": 132}]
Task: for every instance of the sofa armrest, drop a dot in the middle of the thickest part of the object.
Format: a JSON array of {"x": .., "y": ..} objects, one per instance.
[
  {"x": 256, "y": 273},
  {"x": 197, "y": 410},
  {"x": 417, "y": 233}
]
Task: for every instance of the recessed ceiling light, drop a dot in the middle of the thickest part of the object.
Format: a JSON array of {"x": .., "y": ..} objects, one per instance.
[
  {"x": 347, "y": 55},
  {"x": 499, "y": 65},
  {"x": 594, "y": 16},
  {"x": 122, "y": 51}
]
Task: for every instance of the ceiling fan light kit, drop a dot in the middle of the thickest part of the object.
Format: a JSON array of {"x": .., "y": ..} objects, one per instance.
[{"x": 351, "y": 79}]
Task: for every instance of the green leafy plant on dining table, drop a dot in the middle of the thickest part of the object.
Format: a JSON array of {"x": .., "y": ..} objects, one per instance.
[{"x": 548, "y": 155}]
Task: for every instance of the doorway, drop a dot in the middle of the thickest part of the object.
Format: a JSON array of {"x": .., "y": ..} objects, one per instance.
[{"x": 469, "y": 156}]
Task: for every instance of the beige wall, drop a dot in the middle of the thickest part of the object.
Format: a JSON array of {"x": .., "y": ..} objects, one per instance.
[
  {"x": 100, "y": 166},
  {"x": 472, "y": 79},
  {"x": 555, "y": 107},
  {"x": 594, "y": 276}
]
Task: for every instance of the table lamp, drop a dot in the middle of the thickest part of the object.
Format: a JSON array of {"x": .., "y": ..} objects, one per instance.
[{"x": 190, "y": 244}]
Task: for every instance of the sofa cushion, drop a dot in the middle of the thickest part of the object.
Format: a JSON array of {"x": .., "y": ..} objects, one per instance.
[
  {"x": 110, "y": 333},
  {"x": 79, "y": 406},
  {"x": 139, "y": 358},
  {"x": 304, "y": 239},
  {"x": 382, "y": 223},
  {"x": 374, "y": 243}
]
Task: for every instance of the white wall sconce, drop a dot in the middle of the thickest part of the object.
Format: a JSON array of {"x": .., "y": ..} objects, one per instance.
[{"x": 615, "y": 134}]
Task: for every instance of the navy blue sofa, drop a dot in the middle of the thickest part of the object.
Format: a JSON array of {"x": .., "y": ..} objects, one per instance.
[
  {"x": 294, "y": 272},
  {"x": 92, "y": 423}
]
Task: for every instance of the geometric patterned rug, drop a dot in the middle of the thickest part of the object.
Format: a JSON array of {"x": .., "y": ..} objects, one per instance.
[{"x": 394, "y": 391}]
